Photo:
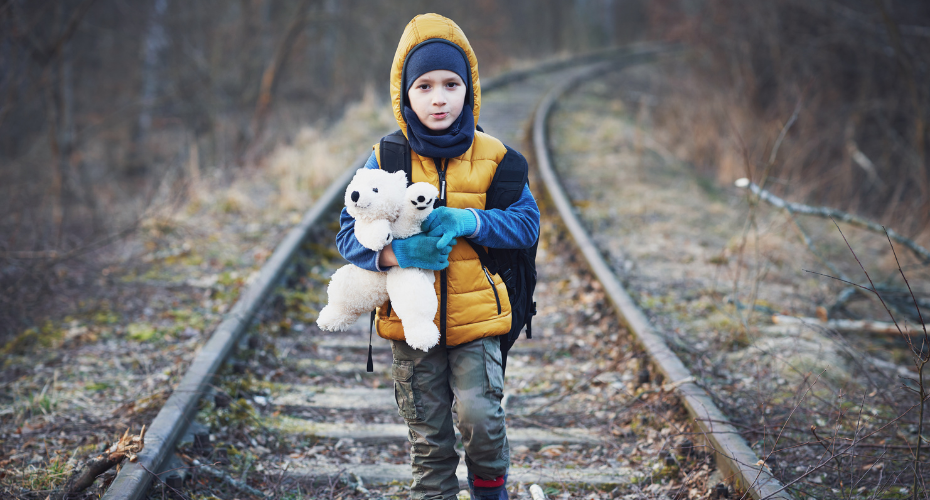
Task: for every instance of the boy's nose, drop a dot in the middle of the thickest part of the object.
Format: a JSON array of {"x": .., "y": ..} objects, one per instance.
[{"x": 354, "y": 196}]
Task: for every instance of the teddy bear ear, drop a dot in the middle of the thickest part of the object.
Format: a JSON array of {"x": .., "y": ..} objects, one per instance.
[
  {"x": 359, "y": 175},
  {"x": 401, "y": 174}
]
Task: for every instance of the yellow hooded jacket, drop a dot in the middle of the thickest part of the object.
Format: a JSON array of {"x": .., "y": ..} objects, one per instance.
[{"x": 472, "y": 303}]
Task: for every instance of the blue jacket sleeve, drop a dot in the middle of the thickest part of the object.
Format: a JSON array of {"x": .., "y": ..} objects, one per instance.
[
  {"x": 515, "y": 227},
  {"x": 348, "y": 245}
]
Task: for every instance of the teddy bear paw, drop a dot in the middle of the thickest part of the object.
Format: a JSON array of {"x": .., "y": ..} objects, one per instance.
[
  {"x": 332, "y": 320},
  {"x": 422, "y": 337}
]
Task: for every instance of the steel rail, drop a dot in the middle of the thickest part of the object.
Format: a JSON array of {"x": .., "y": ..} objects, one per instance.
[
  {"x": 733, "y": 455},
  {"x": 612, "y": 53},
  {"x": 133, "y": 480}
]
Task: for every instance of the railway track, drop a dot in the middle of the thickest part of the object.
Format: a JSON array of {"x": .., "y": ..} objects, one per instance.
[{"x": 580, "y": 396}]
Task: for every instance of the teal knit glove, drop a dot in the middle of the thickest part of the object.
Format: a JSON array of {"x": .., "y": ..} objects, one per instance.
[
  {"x": 450, "y": 223},
  {"x": 423, "y": 251}
]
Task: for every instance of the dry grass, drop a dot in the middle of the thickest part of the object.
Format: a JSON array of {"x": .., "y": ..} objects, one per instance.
[{"x": 316, "y": 156}]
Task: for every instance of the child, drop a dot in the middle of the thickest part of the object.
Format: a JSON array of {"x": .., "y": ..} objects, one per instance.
[{"x": 436, "y": 98}]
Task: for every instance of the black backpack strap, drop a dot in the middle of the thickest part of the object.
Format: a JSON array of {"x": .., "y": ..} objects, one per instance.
[
  {"x": 508, "y": 182},
  {"x": 371, "y": 328},
  {"x": 506, "y": 187},
  {"x": 395, "y": 154},
  {"x": 483, "y": 256}
]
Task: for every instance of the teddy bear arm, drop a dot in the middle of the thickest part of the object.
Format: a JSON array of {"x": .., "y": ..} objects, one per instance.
[
  {"x": 373, "y": 235},
  {"x": 352, "y": 291},
  {"x": 405, "y": 227}
]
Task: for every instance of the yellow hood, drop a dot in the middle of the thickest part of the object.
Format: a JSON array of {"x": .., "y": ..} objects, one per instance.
[{"x": 418, "y": 30}]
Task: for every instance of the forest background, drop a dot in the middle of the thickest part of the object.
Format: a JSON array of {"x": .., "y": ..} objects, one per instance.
[{"x": 111, "y": 109}]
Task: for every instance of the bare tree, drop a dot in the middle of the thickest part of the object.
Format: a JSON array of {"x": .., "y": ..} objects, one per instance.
[
  {"x": 271, "y": 75},
  {"x": 154, "y": 43}
]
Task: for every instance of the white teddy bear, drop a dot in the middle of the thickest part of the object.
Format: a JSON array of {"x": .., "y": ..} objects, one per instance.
[
  {"x": 384, "y": 209},
  {"x": 413, "y": 297}
]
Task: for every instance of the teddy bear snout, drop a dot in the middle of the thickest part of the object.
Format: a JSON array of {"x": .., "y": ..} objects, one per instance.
[{"x": 354, "y": 196}]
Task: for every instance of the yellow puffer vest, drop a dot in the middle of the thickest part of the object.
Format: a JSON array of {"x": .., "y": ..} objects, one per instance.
[
  {"x": 466, "y": 291},
  {"x": 473, "y": 309}
]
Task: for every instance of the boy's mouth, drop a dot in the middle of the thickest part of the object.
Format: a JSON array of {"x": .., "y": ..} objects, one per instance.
[{"x": 440, "y": 116}]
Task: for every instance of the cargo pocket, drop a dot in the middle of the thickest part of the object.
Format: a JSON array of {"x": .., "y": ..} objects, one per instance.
[
  {"x": 493, "y": 364},
  {"x": 402, "y": 373}
]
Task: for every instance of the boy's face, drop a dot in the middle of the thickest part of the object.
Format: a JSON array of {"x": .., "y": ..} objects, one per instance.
[{"x": 437, "y": 97}]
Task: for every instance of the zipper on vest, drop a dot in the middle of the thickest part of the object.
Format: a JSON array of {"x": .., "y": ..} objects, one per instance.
[
  {"x": 496, "y": 296},
  {"x": 441, "y": 170},
  {"x": 443, "y": 275}
]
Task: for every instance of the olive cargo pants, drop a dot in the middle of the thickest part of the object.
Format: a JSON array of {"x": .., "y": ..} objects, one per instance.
[{"x": 424, "y": 386}]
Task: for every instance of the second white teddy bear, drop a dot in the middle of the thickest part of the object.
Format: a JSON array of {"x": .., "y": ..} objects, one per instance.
[
  {"x": 384, "y": 211},
  {"x": 411, "y": 289}
]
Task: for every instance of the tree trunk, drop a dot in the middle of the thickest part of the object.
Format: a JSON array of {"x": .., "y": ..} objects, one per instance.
[
  {"x": 328, "y": 64},
  {"x": 155, "y": 41},
  {"x": 270, "y": 77}
]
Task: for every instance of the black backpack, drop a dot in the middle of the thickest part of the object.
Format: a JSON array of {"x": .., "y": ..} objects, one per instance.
[{"x": 516, "y": 267}]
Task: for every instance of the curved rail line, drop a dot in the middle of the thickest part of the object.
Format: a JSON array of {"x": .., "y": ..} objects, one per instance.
[
  {"x": 134, "y": 479},
  {"x": 732, "y": 452}
]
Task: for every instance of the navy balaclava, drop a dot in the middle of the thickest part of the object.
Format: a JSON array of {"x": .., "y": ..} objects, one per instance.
[{"x": 456, "y": 139}]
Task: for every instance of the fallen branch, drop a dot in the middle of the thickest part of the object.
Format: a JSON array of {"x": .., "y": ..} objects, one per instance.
[
  {"x": 830, "y": 213},
  {"x": 839, "y": 325},
  {"x": 128, "y": 446},
  {"x": 226, "y": 478}
]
